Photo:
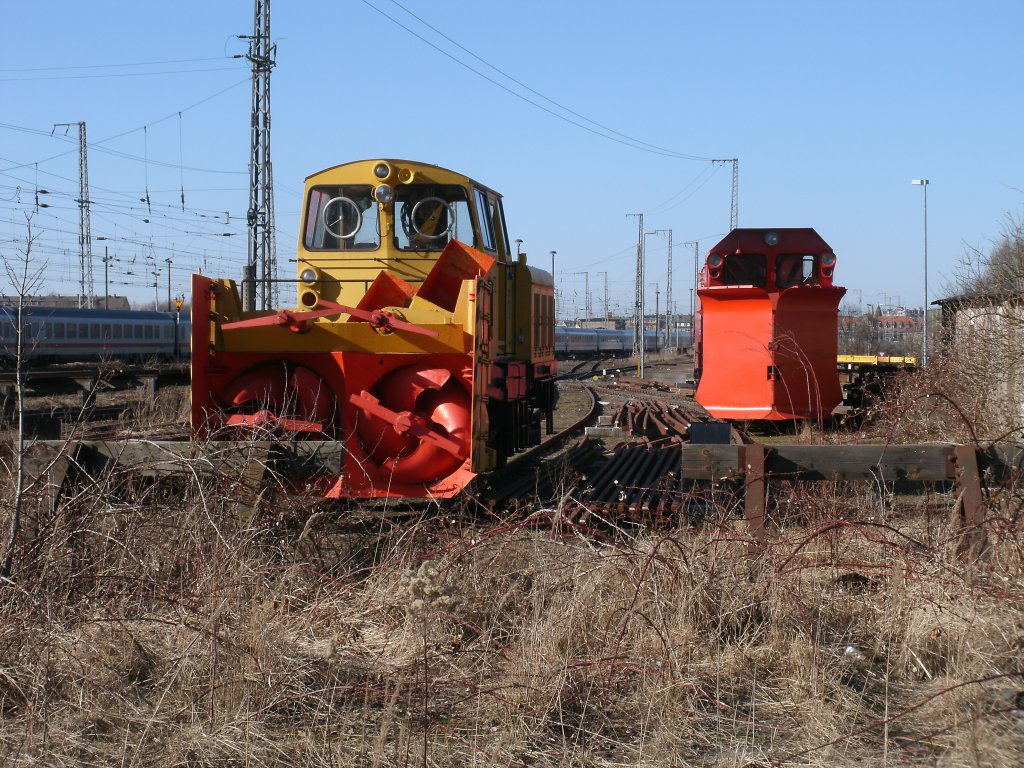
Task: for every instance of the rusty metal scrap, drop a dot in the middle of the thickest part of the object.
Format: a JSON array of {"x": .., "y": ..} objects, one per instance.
[
  {"x": 652, "y": 419},
  {"x": 639, "y": 478}
]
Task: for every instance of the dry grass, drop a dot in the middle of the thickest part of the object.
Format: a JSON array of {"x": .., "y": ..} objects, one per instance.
[
  {"x": 201, "y": 622},
  {"x": 198, "y": 623}
]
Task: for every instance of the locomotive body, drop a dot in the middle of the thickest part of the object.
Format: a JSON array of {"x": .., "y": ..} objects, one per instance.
[
  {"x": 767, "y": 328},
  {"x": 420, "y": 341}
]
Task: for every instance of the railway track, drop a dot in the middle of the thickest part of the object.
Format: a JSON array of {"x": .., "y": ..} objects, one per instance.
[
  {"x": 664, "y": 480},
  {"x": 630, "y": 478},
  {"x": 527, "y": 476},
  {"x": 630, "y": 467}
]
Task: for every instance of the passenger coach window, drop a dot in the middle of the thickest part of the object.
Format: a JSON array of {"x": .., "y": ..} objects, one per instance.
[
  {"x": 427, "y": 217},
  {"x": 342, "y": 218},
  {"x": 744, "y": 269}
]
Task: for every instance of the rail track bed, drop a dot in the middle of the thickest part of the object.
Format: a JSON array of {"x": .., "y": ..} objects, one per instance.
[
  {"x": 628, "y": 460},
  {"x": 624, "y": 449}
]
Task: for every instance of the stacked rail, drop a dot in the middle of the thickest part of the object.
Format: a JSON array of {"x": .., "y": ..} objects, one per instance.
[
  {"x": 639, "y": 479},
  {"x": 652, "y": 419},
  {"x": 545, "y": 480}
]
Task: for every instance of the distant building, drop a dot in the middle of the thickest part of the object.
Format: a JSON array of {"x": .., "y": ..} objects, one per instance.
[
  {"x": 612, "y": 323},
  {"x": 897, "y": 328},
  {"x": 889, "y": 331}
]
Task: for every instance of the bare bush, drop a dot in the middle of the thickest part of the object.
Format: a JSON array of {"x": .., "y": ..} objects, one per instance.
[
  {"x": 973, "y": 388},
  {"x": 210, "y": 620},
  {"x": 203, "y": 622}
]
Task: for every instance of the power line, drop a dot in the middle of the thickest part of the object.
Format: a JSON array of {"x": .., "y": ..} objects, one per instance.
[
  {"x": 130, "y": 64},
  {"x": 132, "y": 198},
  {"x": 521, "y": 84},
  {"x": 96, "y": 147},
  {"x": 629, "y": 142},
  {"x": 132, "y": 130},
  {"x": 115, "y": 74},
  {"x": 663, "y": 207}
]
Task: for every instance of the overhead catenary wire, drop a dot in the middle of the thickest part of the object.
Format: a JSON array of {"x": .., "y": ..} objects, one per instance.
[
  {"x": 120, "y": 64},
  {"x": 115, "y": 74},
  {"x": 606, "y": 134},
  {"x": 673, "y": 202},
  {"x": 133, "y": 199},
  {"x": 541, "y": 95},
  {"x": 95, "y": 145},
  {"x": 181, "y": 171}
]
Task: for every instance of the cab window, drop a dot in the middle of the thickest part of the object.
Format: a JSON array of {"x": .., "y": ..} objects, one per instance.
[
  {"x": 794, "y": 269},
  {"x": 744, "y": 269},
  {"x": 428, "y": 216},
  {"x": 485, "y": 220},
  {"x": 502, "y": 229},
  {"x": 342, "y": 218}
]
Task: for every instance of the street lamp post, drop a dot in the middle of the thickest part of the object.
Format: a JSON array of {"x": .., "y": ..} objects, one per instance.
[
  {"x": 168, "y": 260},
  {"x": 178, "y": 301},
  {"x": 106, "y": 278},
  {"x": 924, "y": 334}
]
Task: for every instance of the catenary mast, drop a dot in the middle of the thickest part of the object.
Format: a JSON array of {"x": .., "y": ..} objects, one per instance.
[
  {"x": 86, "y": 296},
  {"x": 261, "y": 268}
]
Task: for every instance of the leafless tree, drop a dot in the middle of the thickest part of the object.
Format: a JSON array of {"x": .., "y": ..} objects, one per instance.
[
  {"x": 1001, "y": 269},
  {"x": 25, "y": 279}
]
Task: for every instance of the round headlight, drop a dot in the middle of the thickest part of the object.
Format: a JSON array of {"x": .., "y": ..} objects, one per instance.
[
  {"x": 382, "y": 170},
  {"x": 771, "y": 238},
  {"x": 828, "y": 259},
  {"x": 715, "y": 260},
  {"x": 308, "y": 275},
  {"x": 384, "y": 193}
]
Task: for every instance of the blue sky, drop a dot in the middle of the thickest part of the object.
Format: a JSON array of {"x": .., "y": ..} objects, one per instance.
[{"x": 831, "y": 109}]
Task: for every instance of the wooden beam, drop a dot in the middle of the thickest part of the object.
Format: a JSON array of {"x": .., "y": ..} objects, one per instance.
[
  {"x": 928, "y": 462},
  {"x": 755, "y": 493},
  {"x": 53, "y": 461},
  {"x": 972, "y": 542}
]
